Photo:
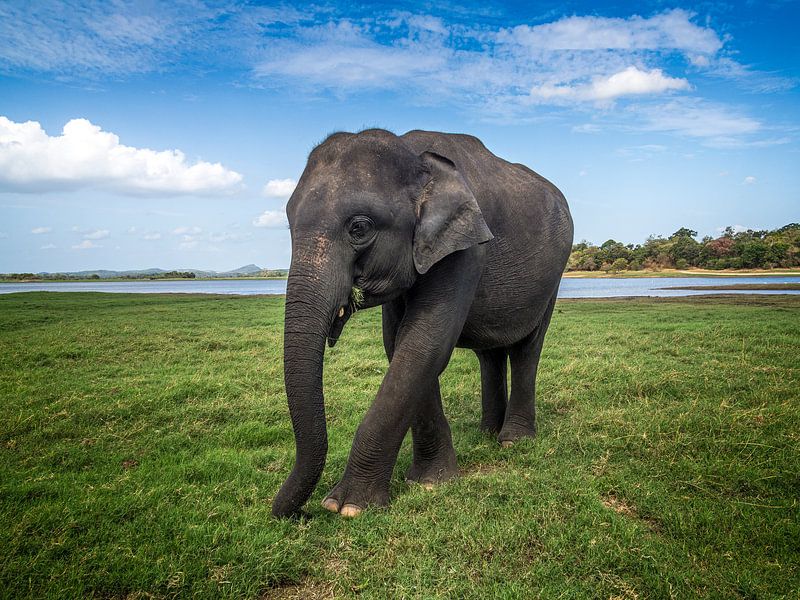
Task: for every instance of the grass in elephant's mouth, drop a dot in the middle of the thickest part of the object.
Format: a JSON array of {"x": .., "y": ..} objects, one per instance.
[
  {"x": 356, "y": 298},
  {"x": 142, "y": 437}
]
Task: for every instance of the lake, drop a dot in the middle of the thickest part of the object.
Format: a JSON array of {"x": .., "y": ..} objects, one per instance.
[{"x": 575, "y": 287}]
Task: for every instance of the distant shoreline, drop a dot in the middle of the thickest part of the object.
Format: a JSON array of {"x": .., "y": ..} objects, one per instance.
[
  {"x": 683, "y": 273},
  {"x": 738, "y": 286},
  {"x": 665, "y": 273},
  {"x": 135, "y": 279}
]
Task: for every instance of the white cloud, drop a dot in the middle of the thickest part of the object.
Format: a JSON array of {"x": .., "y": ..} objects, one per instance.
[
  {"x": 586, "y": 128},
  {"x": 492, "y": 72},
  {"x": 151, "y": 236},
  {"x": 669, "y": 30},
  {"x": 715, "y": 123},
  {"x": 628, "y": 82},
  {"x": 227, "y": 236},
  {"x": 85, "y": 156},
  {"x": 642, "y": 152},
  {"x": 632, "y": 81},
  {"x": 92, "y": 38},
  {"x": 85, "y": 245},
  {"x": 576, "y": 58},
  {"x": 345, "y": 55},
  {"x": 272, "y": 219},
  {"x": 40, "y": 230},
  {"x": 747, "y": 77},
  {"x": 47, "y": 247},
  {"x": 97, "y": 234},
  {"x": 279, "y": 188},
  {"x": 749, "y": 180},
  {"x": 184, "y": 230},
  {"x": 132, "y": 229}
]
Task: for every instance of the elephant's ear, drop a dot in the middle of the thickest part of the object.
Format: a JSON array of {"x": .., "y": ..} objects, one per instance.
[{"x": 448, "y": 216}]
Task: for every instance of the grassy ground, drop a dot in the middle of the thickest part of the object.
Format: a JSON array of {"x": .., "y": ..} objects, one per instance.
[{"x": 142, "y": 438}]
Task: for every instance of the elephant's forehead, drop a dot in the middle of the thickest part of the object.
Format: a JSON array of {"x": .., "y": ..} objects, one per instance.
[
  {"x": 367, "y": 173},
  {"x": 341, "y": 184},
  {"x": 337, "y": 188}
]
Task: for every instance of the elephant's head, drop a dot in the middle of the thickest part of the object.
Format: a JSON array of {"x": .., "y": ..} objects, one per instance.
[{"x": 367, "y": 218}]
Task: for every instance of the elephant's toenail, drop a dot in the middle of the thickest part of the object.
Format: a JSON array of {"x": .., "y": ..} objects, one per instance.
[
  {"x": 507, "y": 444},
  {"x": 350, "y": 511},
  {"x": 330, "y": 504}
]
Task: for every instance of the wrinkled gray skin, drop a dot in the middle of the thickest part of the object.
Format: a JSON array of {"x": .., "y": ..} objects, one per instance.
[{"x": 461, "y": 248}]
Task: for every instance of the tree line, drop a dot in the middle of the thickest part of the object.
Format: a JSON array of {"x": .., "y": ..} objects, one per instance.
[
  {"x": 79, "y": 277},
  {"x": 749, "y": 249}
]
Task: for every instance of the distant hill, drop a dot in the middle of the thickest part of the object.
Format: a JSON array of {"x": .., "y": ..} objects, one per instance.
[
  {"x": 250, "y": 269},
  {"x": 246, "y": 270}
]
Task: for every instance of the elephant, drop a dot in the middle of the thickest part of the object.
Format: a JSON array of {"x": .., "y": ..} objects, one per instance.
[{"x": 460, "y": 248}]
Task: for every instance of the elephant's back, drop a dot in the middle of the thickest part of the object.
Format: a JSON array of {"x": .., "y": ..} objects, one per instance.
[
  {"x": 520, "y": 206},
  {"x": 505, "y": 191},
  {"x": 532, "y": 228}
]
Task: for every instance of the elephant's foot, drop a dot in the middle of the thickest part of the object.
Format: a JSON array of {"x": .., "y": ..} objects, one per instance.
[
  {"x": 438, "y": 469},
  {"x": 491, "y": 423},
  {"x": 350, "y": 498},
  {"x": 514, "y": 430}
]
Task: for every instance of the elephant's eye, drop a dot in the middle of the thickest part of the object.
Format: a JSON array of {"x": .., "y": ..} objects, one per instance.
[{"x": 361, "y": 230}]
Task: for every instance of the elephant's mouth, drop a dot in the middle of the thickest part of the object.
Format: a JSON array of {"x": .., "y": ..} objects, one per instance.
[
  {"x": 358, "y": 299},
  {"x": 342, "y": 316}
]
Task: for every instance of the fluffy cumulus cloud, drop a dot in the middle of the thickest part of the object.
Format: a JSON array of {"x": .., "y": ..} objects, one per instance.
[
  {"x": 272, "y": 219},
  {"x": 279, "y": 188},
  {"x": 749, "y": 180},
  {"x": 41, "y": 230},
  {"x": 85, "y": 156},
  {"x": 629, "y": 82}
]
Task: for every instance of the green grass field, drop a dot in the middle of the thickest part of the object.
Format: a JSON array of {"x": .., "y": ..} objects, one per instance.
[{"x": 142, "y": 438}]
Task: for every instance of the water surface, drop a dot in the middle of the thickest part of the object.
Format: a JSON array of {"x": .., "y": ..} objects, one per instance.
[{"x": 572, "y": 287}]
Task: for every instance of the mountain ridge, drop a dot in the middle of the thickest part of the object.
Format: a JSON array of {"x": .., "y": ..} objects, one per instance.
[{"x": 249, "y": 269}]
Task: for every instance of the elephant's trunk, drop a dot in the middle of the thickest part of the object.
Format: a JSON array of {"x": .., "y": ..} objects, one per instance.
[{"x": 313, "y": 298}]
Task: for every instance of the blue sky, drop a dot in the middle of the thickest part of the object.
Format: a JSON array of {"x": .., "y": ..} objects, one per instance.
[{"x": 149, "y": 134}]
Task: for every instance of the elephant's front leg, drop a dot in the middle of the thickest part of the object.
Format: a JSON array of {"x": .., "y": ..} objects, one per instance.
[
  {"x": 434, "y": 317},
  {"x": 401, "y": 402},
  {"x": 434, "y": 455}
]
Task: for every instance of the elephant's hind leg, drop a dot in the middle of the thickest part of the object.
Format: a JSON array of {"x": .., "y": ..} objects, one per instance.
[
  {"x": 520, "y": 418},
  {"x": 494, "y": 388},
  {"x": 434, "y": 455}
]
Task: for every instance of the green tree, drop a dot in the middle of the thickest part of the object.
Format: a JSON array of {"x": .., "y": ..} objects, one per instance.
[{"x": 618, "y": 265}]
